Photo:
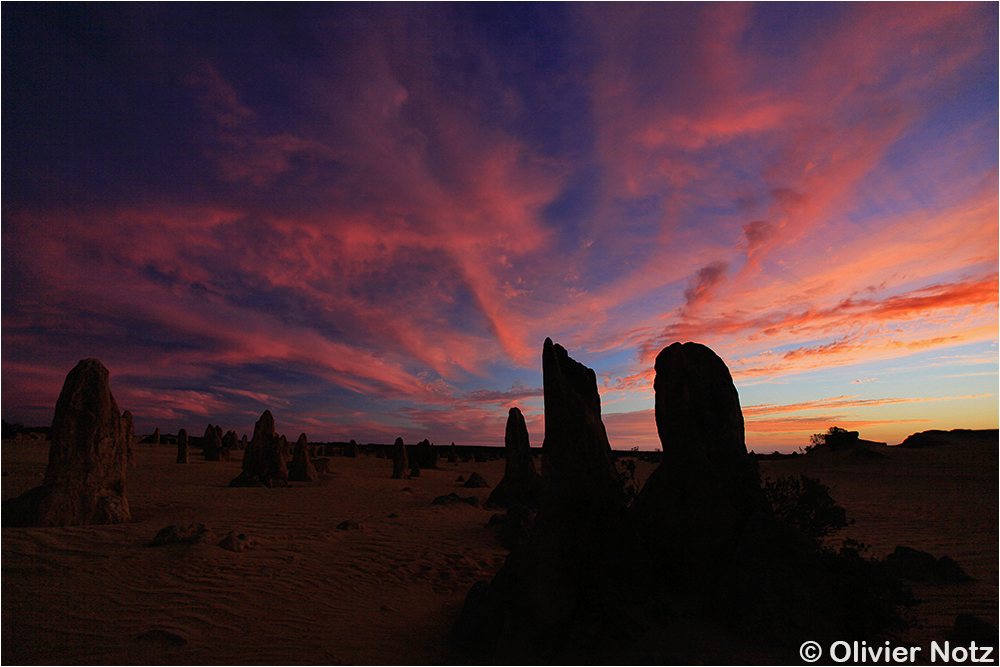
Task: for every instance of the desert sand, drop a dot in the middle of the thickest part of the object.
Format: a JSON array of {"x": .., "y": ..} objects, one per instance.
[{"x": 388, "y": 592}]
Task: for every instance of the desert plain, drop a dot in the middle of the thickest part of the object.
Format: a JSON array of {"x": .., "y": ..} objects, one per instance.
[{"x": 389, "y": 590}]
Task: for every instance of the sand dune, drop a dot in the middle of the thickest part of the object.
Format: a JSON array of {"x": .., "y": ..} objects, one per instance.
[{"x": 388, "y": 592}]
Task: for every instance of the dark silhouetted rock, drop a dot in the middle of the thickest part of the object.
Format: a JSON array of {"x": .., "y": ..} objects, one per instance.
[
  {"x": 915, "y": 565},
  {"x": 400, "y": 462},
  {"x": 156, "y": 436},
  {"x": 455, "y": 498},
  {"x": 349, "y": 525},
  {"x": 577, "y": 588},
  {"x": 521, "y": 484},
  {"x": 937, "y": 438},
  {"x": 969, "y": 628},
  {"x": 415, "y": 470},
  {"x": 212, "y": 445},
  {"x": 476, "y": 481},
  {"x": 182, "y": 446},
  {"x": 453, "y": 454},
  {"x": 229, "y": 443},
  {"x": 322, "y": 465},
  {"x": 128, "y": 435},
  {"x": 238, "y": 542},
  {"x": 193, "y": 533},
  {"x": 265, "y": 461},
  {"x": 352, "y": 450},
  {"x": 515, "y": 527},
  {"x": 692, "y": 508},
  {"x": 426, "y": 457},
  {"x": 243, "y": 441},
  {"x": 775, "y": 585},
  {"x": 476, "y": 628},
  {"x": 85, "y": 478},
  {"x": 460, "y": 479},
  {"x": 301, "y": 468}
]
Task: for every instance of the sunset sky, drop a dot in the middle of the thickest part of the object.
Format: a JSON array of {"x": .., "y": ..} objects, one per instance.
[{"x": 368, "y": 218}]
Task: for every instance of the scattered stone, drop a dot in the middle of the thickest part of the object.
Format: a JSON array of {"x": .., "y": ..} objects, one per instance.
[
  {"x": 915, "y": 565},
  {"x": 191, "y": 534},
  {"x": 476, "y": 481},
  {"x": 521, "y": 484},
  {"x": 84, "y": 481},
  {"x": 393, "y": 516},
  {"x": 322, "y": 465},
  {"x": 461, "y": 478},
  {"x": 265, "y": 462},
  {"x": 455, "y": 498},
  {"x": 415, "y": 470},
  {"x": 238, "y": 542},
  {"x": 349, "y": 525},
  {"x": 400, "y": 462},
  {"x": 301, "y": 468},
  {"x": 182, "y": 446}
]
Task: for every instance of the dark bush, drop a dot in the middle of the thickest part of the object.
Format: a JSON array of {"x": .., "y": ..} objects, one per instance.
[{"x": 807, "y": 504}]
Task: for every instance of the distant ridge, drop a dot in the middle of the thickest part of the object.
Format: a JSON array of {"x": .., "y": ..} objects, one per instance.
[{"x": 936, "y": 438}]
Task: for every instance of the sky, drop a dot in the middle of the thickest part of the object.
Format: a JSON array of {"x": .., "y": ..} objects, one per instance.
[{"x": 367, "y": 218}]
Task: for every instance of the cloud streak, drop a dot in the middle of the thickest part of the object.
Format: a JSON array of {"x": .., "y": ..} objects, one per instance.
[{"x": 371, "y": 216}]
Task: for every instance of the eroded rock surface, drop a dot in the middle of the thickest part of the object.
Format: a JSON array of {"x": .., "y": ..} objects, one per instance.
[
  {"x": 265, "y": 461},
  {"x": 521, "y": 483},
  {"x": 85, "y": 478}
]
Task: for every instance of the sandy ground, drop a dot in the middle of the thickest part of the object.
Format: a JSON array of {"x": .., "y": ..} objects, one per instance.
[
  {"x": 943, "y": 500},
  {"x": 389, "y": 592}
]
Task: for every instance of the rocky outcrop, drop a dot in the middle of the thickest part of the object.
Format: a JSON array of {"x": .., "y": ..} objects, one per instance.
[
  {"x": 582, "y": 576},
  {"x": 229, "y": 443},
  {"x": 85, "y": 478},
  {"x": 425, "y": 456},
  {"x": 699, "y": 543},
  {"x": 916, "y": 565},
  {"x": 212, "y": 444},
  {"x": 476, "y": 481},
  {"x": 453, "y": 454},
  {"x": 193, "y": 533},
  {"x": 521, "y": 483},
  {"x": 301, "y": 469},
  {"x": 182, "y": 446},
  {"x": 351, "y": 451},
  {"x": 693, "y": 507},
  {"x": 156, "y": 436},
  {"x": 400, "y": 461},
  {"x": 128, "y": 435},
  {"x": 237, "y": 542},
  {"x": 265, "y": 461}
]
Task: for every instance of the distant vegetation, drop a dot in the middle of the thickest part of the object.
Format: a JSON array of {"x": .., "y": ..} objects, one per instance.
[
  {"x": 872, "y": 599},
  {"x": 807, "y": 504}
]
